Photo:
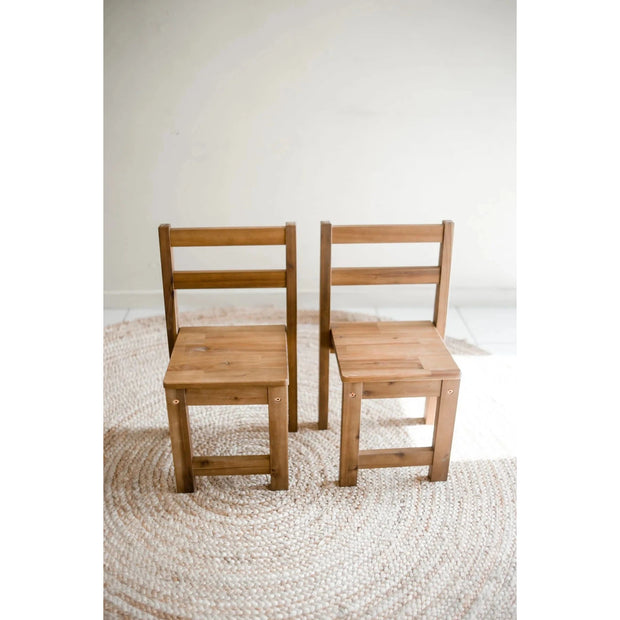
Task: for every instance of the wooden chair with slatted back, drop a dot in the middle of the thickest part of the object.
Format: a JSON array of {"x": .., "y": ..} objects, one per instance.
[
  {"x": 389, "y": 359},
  {"x": 230, "y": 365}
]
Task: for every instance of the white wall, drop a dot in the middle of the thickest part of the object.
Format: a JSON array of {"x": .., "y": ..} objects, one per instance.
[{"x": 237, "y": 112}]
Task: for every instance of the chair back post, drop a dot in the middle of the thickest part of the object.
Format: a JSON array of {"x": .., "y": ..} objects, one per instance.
[
  {"x": 325, "y": 283},
  {"x": 442, "y": 289},
  {"x": 170, "y": 300},
  {"x": 291, "y": 320},
  {"x": 324, "y": 320}
]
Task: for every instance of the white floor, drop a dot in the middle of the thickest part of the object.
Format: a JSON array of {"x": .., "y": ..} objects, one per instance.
[{"x": 491, "y": 328}]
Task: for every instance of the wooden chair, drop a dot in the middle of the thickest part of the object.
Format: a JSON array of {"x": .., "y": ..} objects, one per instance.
[
  {"x": 230, "y": 365},
  {"x": 389, "y": 359}
]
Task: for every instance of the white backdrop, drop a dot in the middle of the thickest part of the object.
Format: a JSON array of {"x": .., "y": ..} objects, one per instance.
[{"x": 236, "y": 112}]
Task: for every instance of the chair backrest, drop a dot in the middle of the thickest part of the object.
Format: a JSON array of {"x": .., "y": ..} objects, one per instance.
[
  {"x": 258, "y": 278},
  {"x": 416, "y": 233}
]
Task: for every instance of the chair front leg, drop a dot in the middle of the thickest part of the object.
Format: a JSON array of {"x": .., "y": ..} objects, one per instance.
[
  {"x": 181, "y": 441},
  {"x": 278, "y": 437},
  {"x": 444, "y": 430},
  {"x": 350, "y": 433}
]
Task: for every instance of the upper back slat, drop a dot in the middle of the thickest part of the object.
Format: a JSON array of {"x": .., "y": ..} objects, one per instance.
[
  {"x": 195, "y": 237},
  {"x": 388, "y": 233}
]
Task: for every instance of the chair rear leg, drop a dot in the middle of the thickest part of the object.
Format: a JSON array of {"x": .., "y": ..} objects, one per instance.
[
  {"x": 278, "y": 437},
  {"x": 323, "y": 386},
  {"x": 350, "y": 433},
  {"x": 430, "y": 408},
  {"x": 181, "y": 441},
  {"x": 444, "y": 430}
]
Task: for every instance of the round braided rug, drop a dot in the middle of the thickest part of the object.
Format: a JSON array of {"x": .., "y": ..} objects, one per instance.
[{"x": 395, "y": 546}]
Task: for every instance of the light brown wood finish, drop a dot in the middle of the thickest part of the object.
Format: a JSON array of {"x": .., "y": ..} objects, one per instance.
[
  {"x": 181, "y": 440},
  {"x": 257, "y": 278},
  {"x": 291, "y": 322},
  {"x": 401, "y": 389},
  {"x": 400, "y": 457},
  {"x": 396, "y": 351},
  {"x": 350, "y": 433},
  {"x": 440, "y": 313},
  {"x": 444, "y": 429},
  {"x": 230, "y": 365},
  {"x": 170, "y": 298},
  {"x": 228, "y": 355},
  {"x": 389, "y": 359},
  {"x": 324, "y": 323},
  {"x": 347, "y": 276},
  {"x": 236, "y": 395},
  {"x": 430, "y": 409},
  {"x": 241, "y": 465},
  {"x": 278, "y": 438},
  {"x": 196, "y": 237},
  {"x": 388, "y": 233}
]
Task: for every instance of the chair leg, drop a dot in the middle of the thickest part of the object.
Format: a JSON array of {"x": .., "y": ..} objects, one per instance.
[
  {"x": 292, "y": 378},
  {"x": 430, "y": 409},
  {"x": 181, "y": 441},
  {"x": 350, "y": 433},
  {"x": 292, "y": 404},
  {"x": 323, "y": 386},
  {"x": 444, "y": 429},
  {"x": 278, "y": 437}
]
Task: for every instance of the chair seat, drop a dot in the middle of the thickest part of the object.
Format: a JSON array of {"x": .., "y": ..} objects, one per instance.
[
  {"x": 228, "y": 356},
  {"x": 391, "y": 351}
]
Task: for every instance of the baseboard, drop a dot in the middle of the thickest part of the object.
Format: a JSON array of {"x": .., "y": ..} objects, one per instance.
[{"x": 394, "y": 297}]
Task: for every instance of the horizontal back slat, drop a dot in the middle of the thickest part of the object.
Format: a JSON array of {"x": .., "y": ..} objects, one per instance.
[
  {"x": 194, "y": 237},
  {"x": 342, "y": 276},
  {"x": 263, "y": 278},
  {"x": 411, "y": 233}
]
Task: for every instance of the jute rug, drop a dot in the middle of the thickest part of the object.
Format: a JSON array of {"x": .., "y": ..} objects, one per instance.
[{"x": 395, "y": 546}]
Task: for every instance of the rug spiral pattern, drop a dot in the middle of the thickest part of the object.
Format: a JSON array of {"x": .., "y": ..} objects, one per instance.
[{"x": 395, "y": 546}]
